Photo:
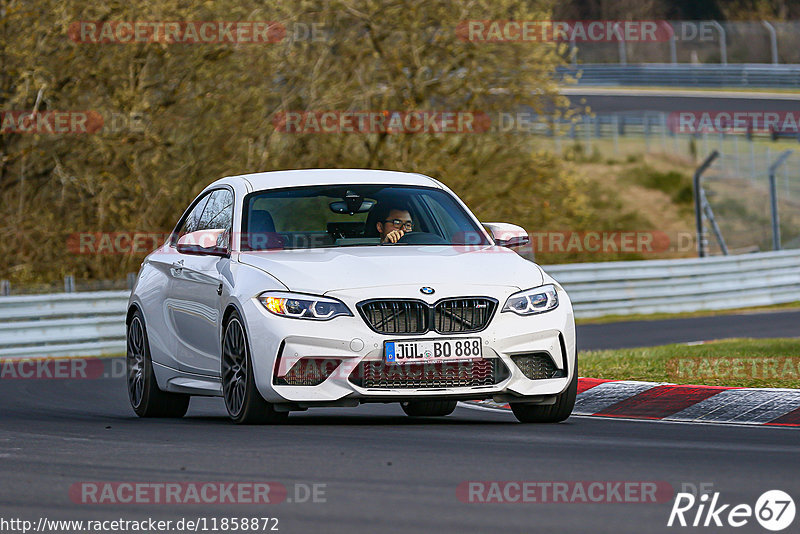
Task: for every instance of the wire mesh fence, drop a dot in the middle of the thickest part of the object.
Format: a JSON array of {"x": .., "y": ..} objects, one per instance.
[{"x": 736, "y": 185}]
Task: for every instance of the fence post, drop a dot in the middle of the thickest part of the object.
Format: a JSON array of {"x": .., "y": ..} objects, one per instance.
[
  {"x": 5, "y": 288},
  {"x": 573, "y": 52},
  {"x": 723, "y": 45},
  {"x": 786, "y": 182},
  {"x": 69, "y": 284},
  {"x": 131, "y": 280},
  {"x": 673, "y": 49},
  {"x": 773, "y": 41},
  {"x": 587, "y": 135},
  {"x": 698, "y": 202},
  {"x": 773, "y": 200},
  {"x": 623, "y": 50}
]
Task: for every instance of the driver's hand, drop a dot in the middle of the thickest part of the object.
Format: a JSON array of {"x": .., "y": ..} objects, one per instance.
[{"x": 394, "y": 236}]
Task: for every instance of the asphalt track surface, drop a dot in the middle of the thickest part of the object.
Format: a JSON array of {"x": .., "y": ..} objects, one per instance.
[
  {"x": 382, "y": 471},
  {"x": 691, "y": 329}
]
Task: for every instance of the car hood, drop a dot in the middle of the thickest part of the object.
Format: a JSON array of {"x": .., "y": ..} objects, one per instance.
[{"x": 323, "y": 270}]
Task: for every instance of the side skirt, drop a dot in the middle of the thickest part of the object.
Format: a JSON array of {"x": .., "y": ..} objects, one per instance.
[{"x": 175, "y": 381}]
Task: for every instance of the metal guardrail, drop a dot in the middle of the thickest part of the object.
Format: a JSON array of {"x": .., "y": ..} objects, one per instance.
[
  {"x": 63, "y": 324},
  {"x": 685, "y": 75},
  {"x": 684, "y": 285},
  {"x": 84, "y": 324}
]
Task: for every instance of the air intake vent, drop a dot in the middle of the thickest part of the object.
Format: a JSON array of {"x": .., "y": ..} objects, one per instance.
[
  {"x": 308, "y": 372},
  {"x": 537, "y": 366},
  {"x": 432, "y": 375}
]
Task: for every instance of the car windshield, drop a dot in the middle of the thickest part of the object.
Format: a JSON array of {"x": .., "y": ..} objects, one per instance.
[{"x": 355, "y": 215}]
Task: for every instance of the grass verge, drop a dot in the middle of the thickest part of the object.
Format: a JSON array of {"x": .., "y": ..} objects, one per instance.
[
  {"x": 702, "y": 313},
  {"x": 771, "y": 363}
]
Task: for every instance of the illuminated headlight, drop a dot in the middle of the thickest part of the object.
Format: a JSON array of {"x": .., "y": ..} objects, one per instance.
[
  {"x": 532, "y": 301},
  {"x": 299, "y": 306}
]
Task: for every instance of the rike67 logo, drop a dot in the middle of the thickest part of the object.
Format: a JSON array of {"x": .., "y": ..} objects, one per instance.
[{"x": 774, "y": 510}]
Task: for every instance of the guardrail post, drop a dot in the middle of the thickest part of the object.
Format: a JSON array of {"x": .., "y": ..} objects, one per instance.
[
  {"x": 131, "y": 280},
  {"x": 69, "y": 284},
  {"x": 698, "y": 202},
  {"x": 773, "y": 200},
  {"x": 5, "y": 288}
]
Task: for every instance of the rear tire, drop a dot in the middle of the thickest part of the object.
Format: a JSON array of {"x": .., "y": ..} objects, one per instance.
[
  {"x": 552, "y": 413},
  {"x": 244, "y": 403},
  {"x": 146, "y": 399},
  {"x": 428, "y": 408}
]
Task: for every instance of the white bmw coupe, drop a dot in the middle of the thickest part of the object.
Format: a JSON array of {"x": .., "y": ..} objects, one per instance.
[{"x": 282, "y": 291}]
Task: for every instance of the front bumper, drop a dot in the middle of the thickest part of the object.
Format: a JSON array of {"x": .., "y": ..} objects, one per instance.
[{"x": 278, "y": 343}]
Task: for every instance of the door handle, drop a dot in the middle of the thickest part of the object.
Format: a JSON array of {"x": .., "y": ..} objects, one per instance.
[{"x": 177, "y": 267}]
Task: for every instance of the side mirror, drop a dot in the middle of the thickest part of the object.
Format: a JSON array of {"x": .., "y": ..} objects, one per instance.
[
  {"x": 508, "y": 235},
  {"x": 203, "y": 242}
]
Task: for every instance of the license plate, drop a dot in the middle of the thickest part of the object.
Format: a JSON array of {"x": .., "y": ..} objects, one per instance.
[{"x": 433, "y": 350}]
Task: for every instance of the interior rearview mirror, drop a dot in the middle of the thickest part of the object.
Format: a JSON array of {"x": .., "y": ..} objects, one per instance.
[{"x": 342, "y": 206}]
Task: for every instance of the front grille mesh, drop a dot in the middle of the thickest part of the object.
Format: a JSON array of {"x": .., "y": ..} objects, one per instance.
[
  {"x": 377, "y": 374},
  {"x": 536, "y": 366},
  {"x": 463, "y": 315},
  {"x": 396, "y": 316},
  {"x": 449, "y": 316}
]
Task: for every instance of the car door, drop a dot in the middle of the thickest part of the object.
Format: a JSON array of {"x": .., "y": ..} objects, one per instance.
[{"x": 194, "y": 303}]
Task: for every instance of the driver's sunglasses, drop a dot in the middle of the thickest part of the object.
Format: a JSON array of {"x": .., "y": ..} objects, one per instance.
[{"x": 406, "y": 225}]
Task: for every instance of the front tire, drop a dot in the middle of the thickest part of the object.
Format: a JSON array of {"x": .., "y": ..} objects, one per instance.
[
  {"x": 553, "y": 413},
  {"x": 244, "y": 403},
  {"x": 146, "y": 399},
  {"x": 428, "y": 408}
]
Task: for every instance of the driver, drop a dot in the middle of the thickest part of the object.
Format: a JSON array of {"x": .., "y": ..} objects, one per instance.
[{"x": 394, "y": 221}]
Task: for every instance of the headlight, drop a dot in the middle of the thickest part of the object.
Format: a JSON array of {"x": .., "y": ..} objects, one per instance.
[
  {"x": 300, "y": 306},
  {"x": 532, "y": 301}
]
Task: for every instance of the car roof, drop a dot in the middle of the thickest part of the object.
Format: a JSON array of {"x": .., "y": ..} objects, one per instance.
[{"x": 297, "y": 178}]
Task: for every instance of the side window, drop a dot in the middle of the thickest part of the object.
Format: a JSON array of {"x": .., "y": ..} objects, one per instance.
[
  {"x": 211, "y": 220},
  {"x": 192, "y": 221},
  {"x": 218, "y": 215}
]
